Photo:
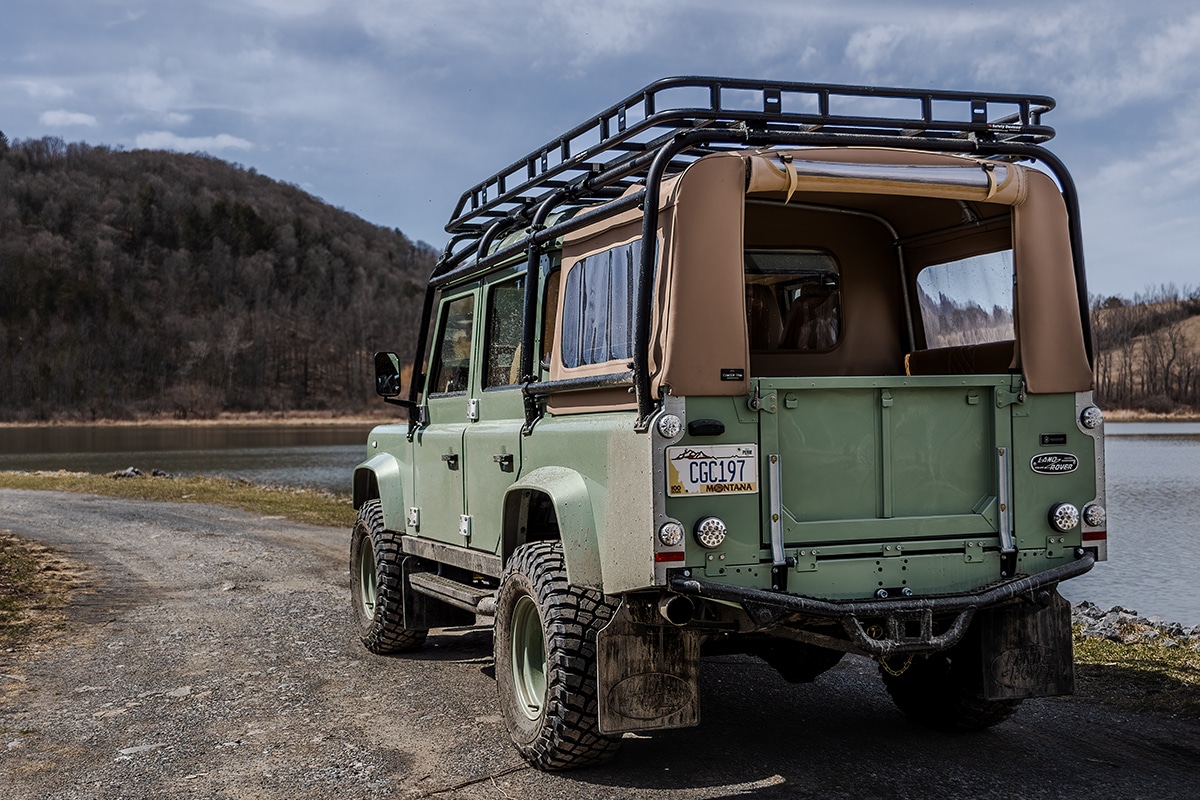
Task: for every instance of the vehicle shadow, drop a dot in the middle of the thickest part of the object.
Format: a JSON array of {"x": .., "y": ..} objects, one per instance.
[
  {"x": 468, "y": 644},
  {"x": 842, "y": 737}
]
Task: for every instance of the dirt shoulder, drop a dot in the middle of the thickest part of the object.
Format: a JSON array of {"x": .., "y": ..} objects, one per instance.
[{"x": 209, "y": 652}]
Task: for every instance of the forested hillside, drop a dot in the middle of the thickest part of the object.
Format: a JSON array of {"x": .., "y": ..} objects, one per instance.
[
  {"x": 1148, "y": 350},
  {"x": 148, "y": 282}
]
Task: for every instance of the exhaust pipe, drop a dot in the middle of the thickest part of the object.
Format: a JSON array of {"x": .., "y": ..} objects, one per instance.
[{"x": 676, "y": 609}]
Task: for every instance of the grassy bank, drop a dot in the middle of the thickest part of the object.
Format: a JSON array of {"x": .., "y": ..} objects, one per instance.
[
  {"x": 35, "y": 584},
  {"x": 299, "y": 505},
  {"x": 1140, "y": 677}
]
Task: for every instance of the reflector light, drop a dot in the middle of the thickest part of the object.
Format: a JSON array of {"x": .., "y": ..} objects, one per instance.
[
  {"x": 676, "y": 556},
  {"x": 1095, "y": 536},
  {"x": 1094, "y": 515}
]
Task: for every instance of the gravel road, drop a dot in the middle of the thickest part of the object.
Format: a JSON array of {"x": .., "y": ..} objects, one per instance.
[{"x": 210, "y": 653}]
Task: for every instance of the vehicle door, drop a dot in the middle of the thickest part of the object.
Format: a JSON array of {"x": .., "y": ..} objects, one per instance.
[
  {"x": 493, "y": 437},
  {"x": 438, "y": 444}
]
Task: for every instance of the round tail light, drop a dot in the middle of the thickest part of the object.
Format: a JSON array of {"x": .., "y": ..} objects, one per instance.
[{"x": 1064, "y": 517}]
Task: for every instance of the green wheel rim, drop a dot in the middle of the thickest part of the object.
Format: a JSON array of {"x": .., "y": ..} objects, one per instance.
[
  {"x": 528, "y": 657},
  {"x": 366, "y": 580}
]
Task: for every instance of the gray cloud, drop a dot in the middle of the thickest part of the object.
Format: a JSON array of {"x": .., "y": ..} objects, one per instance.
[{"x": 391, "y": 108}]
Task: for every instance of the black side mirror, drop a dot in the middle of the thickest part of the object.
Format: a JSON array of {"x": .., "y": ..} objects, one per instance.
[{"x": 387, "y": 374}]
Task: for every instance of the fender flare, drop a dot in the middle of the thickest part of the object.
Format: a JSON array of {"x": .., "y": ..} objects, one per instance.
[
  {"x": 573, "y": 499},
  {"x": 380, "y": 478}
]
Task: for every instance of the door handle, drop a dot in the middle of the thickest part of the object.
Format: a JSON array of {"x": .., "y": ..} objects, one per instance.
[
  {"x": 451, "y": 460},
  {"x": 505, "y": 460}
]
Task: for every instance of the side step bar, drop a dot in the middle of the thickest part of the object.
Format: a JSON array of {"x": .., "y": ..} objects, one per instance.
[{"x": 471, "y": 598}]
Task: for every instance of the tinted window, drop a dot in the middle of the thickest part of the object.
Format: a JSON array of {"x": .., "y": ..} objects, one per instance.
[
  {"x": 793, "y": 300},
  {"x": 598, "y": 306},
  {"x": 452, "y": 371},
  {"x": 968, "y": 301}
]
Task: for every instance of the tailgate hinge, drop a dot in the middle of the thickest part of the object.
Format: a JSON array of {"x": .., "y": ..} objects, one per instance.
[{"x": 1004, "y": 397}]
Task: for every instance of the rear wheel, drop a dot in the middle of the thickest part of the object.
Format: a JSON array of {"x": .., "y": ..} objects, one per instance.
[
  {"x": 942, "y": 692},
  {"x": 545, "y": 648},
  {"x": 377, "y": 585}
]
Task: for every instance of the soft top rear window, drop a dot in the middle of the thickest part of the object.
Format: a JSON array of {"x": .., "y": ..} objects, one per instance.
[{"x": 793, "y": 300}]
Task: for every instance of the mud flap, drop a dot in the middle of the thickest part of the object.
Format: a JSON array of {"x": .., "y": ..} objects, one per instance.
[
  {"x": 1027, "y": 650},
  {"x": 648, "y": 672}
]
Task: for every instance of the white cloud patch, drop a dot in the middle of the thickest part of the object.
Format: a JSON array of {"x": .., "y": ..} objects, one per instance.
[
  {"x": 165, "y": 140},
  {"x": 148, "y": 90},
  {"x": 43, "y": 90},
  {"x": 66, "y": 119},
  {"x": 175, "y": 118},
  {"x": 874, "y": 46}
]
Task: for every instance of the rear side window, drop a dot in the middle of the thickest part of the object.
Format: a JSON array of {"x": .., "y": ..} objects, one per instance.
[
  {"x": 793, "y": 300},
  {"x": 502, "y": 364},
  {"x": 968, "y": 301},
  {"x": 598, "y": 300}
]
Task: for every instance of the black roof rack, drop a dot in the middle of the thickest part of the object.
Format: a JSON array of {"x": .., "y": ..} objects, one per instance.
[{"x": 613, "y": 150}]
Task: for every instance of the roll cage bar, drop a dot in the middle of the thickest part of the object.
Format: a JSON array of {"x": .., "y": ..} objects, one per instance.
[{"x": 587, "y": 174}]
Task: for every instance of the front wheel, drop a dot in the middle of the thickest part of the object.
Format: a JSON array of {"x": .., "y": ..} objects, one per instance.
[
  {"x": 545, "y": 648},
  {"x": 942, "y": 692},
  {"x": 377, "y": 585}
]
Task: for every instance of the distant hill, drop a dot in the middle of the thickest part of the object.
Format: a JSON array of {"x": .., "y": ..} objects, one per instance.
[
  {"x": 1148, "y": 350},
  {"x": 148, "y": 282}
]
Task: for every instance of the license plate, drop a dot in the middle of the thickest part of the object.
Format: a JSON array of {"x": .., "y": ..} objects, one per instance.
[{"x": 712, "y": 469}]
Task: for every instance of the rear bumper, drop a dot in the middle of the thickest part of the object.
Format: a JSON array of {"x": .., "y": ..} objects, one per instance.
[{"x": 881, "y": 627}]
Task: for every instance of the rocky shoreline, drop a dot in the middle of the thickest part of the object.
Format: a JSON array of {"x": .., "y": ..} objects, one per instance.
[{"x": 1125, "y": 626}]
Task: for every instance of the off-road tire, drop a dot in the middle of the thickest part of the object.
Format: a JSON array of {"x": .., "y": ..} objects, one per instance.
[
  {"x": 553, "y": 721},
  {"x": 377, "y": 585},
  {"x": 938, "y": 692}
]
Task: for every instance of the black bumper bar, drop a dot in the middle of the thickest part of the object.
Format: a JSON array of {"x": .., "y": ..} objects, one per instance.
[{"x": 768, "y": 608}]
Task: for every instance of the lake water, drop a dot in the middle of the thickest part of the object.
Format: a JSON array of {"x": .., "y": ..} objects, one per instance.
[
  {"x": 1153, "y": 487},
  {"x": 289, "y": 455},
  {"x": 1153, "y": 505}
]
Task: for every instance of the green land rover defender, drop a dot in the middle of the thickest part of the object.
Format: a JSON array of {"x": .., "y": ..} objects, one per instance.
[{"x": 793, "y": 370}]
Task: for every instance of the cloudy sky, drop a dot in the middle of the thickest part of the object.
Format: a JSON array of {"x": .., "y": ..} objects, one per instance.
[{"x": 390, "y": 109}]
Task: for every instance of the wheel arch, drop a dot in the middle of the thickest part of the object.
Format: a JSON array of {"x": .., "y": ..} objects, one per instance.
[
  {"x": 567, "y": 494},
  {"x": 379, "y": 478}
]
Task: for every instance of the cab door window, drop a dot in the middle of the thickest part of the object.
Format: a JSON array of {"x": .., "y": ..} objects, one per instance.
[{"x": 452, "y": 365}]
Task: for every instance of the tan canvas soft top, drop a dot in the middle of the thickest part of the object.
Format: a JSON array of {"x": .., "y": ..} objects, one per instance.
[{"x": 699, "y": 326}]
